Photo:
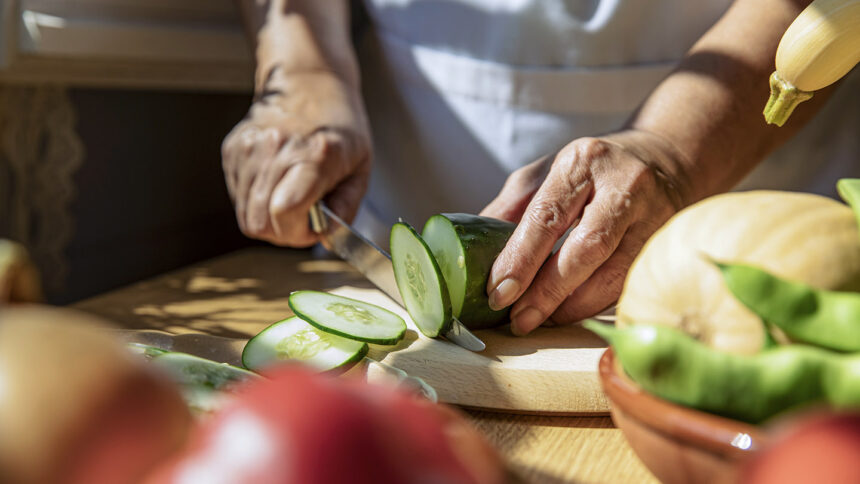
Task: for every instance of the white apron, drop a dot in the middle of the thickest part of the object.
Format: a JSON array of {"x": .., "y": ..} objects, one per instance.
[{"x": 462, "y": 92}]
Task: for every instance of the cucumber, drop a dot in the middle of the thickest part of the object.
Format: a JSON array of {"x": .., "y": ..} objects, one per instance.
[
  {"x": 204, "y": 384},
  {"x": 420, "y": 281},
  {"x": 465, "y": 247},
  {"x": 146, "y": 351},
  {"x": 192, "y": 370},
  {"x": 347, "y": 317},
  {"x": 293, "y": 339}
]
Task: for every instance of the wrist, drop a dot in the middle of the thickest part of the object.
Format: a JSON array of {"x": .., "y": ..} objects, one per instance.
[
  {"x": 669, "y": 163},
  {"x": 302, "y": 103}
]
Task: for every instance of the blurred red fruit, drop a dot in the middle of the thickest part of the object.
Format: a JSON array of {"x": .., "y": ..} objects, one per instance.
[
  {"x": 302, "y": 427},
  {"x": 822, "y": 448}
]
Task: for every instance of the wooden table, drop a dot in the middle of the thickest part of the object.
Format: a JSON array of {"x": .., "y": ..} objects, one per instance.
[{"x": 239, "y": 294}]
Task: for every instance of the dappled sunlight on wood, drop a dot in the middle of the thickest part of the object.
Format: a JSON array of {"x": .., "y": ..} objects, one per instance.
[
  {"x": 237, "y": 315},
  {"x": 334, "y": 266},
  {"x": 220, "y": 284},
  {"x": 237, "y": 299}
]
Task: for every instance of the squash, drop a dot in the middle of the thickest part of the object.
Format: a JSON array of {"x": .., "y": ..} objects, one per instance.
[{"x": 797, "y": 236}]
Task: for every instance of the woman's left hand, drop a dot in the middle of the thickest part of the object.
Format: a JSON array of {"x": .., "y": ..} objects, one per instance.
[{"x": 612, "y": 193}]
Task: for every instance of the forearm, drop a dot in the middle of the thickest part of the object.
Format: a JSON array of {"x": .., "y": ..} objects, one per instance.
[
  {"x": 709, "y": 111},
  {"x": 300, "y": 37}
]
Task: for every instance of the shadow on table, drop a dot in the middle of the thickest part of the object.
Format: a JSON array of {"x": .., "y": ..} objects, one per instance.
[{"x": 233, "y": 296}]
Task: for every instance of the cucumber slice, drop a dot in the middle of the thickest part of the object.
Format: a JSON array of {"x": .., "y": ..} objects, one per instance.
[
  {"x": 293, "y": 339},
  {"x": 204, "y": 384},
  {"x": 348, "y": 317},
  {"x": 146, "y": 351},
  {"x": 420, "y": 281},
  {"x": 465, "y": 247},
  {"x": 190, "y": 370}
]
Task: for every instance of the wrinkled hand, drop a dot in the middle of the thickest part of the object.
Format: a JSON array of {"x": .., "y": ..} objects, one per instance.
[
  {"x": 303, "y": 141},
  {"x": 612, "y": 193}
]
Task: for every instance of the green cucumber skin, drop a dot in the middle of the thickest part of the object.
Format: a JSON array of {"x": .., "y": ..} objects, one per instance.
[
  {"x": 448, "y": 317},
  {"x": 309, "y": 320},
  {"x": 482, "y": 239}
]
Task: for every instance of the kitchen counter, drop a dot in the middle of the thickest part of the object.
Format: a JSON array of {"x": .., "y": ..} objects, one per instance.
[{"x": 239, "y": 294}]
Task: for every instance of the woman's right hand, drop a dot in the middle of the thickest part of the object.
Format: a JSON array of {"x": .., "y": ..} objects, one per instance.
[{"x": 306, "y": 138}]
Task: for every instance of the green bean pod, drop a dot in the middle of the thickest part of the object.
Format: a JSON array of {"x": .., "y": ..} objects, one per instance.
[
  {"x": 671, "y": 365},
  {"x": 830, "y": 319},
  {"x": 849, "y": 190},
  {"x": 841, "y": 381}
]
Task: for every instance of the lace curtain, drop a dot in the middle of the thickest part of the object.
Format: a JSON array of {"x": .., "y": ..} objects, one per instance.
[{"x": 39, "y": 154}]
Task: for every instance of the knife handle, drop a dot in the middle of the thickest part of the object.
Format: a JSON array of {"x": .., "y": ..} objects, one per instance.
[{"x": 319, "y": 222}]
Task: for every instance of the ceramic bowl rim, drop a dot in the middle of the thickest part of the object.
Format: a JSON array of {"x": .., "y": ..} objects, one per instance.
[{"x": 718, "y": 435}]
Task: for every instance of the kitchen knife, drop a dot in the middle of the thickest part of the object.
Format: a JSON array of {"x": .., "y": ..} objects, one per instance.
[{"x": 340, "y": 238}]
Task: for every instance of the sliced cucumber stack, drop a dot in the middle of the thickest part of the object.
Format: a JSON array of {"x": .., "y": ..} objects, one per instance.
[
  {"x": 465, "y": 247},
  {"x": 293, "y": 339},
  {"x": 420, "y": 281},
  {"x": 347, "y": 317}
]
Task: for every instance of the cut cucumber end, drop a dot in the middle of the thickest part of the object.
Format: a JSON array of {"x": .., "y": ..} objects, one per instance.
[
  {"x": 466, "y": 246},
  {"x": 420, "y": 281},
  {"x": 294, "y": 339},
  {"x": 441, "y": 236},
  {"x": 347, "y": 317}
]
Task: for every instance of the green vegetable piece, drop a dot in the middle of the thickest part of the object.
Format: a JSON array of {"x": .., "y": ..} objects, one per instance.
[
  {"x": 295, "y": 339},
  {"x": 849, "y": 190},
  {"x": 465, "y": 247},
  {"x": 420, "y": 281},
  {"x": 146, "y": 351},
  {"x": 830, "y": 319},
  {"x": 192, "y": 370},
  {"x": 842, "y": 382},
  {"x": 672, "y": 365},
  {"x": 347, "y": 317}
]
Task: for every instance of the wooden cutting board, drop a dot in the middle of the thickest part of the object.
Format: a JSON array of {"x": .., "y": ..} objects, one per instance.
[{"x": 551, "y": 371}]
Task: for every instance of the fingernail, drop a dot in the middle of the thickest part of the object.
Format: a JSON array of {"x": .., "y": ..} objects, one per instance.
[
  {"x": 503, "y": 295},
  {"x": 525, "y": 321}
]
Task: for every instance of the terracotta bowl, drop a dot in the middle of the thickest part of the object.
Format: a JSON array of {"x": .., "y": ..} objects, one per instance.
[{"x": 677, "y": 444}]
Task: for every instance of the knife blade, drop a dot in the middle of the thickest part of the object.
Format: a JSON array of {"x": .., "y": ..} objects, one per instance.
[{"x": 375, "y": 264}]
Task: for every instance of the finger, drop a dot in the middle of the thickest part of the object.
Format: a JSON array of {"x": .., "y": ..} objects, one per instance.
[
  {"x": 590, "y": 244},
  {"x": 557, "y": 203},
  {"x": 603, "y": 288},
  {"x": 261, "y": 148},
  {"x": 271, "y": 169},
  {"x": 237, "y": 146},
  {"x": 346, "y": 196},
  {"x": 290, "y": 203},
  {"x": 518, "y": 191},
  {"x": 320, "y": 165}
]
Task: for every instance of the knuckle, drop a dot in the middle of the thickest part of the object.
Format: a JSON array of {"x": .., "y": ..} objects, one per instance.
[
  {"x": 548, "y": 295},
  {"x": 588, "y": 148},
  {"x": 548, "y": 217},
  {"x": 595, "y": 246}
]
